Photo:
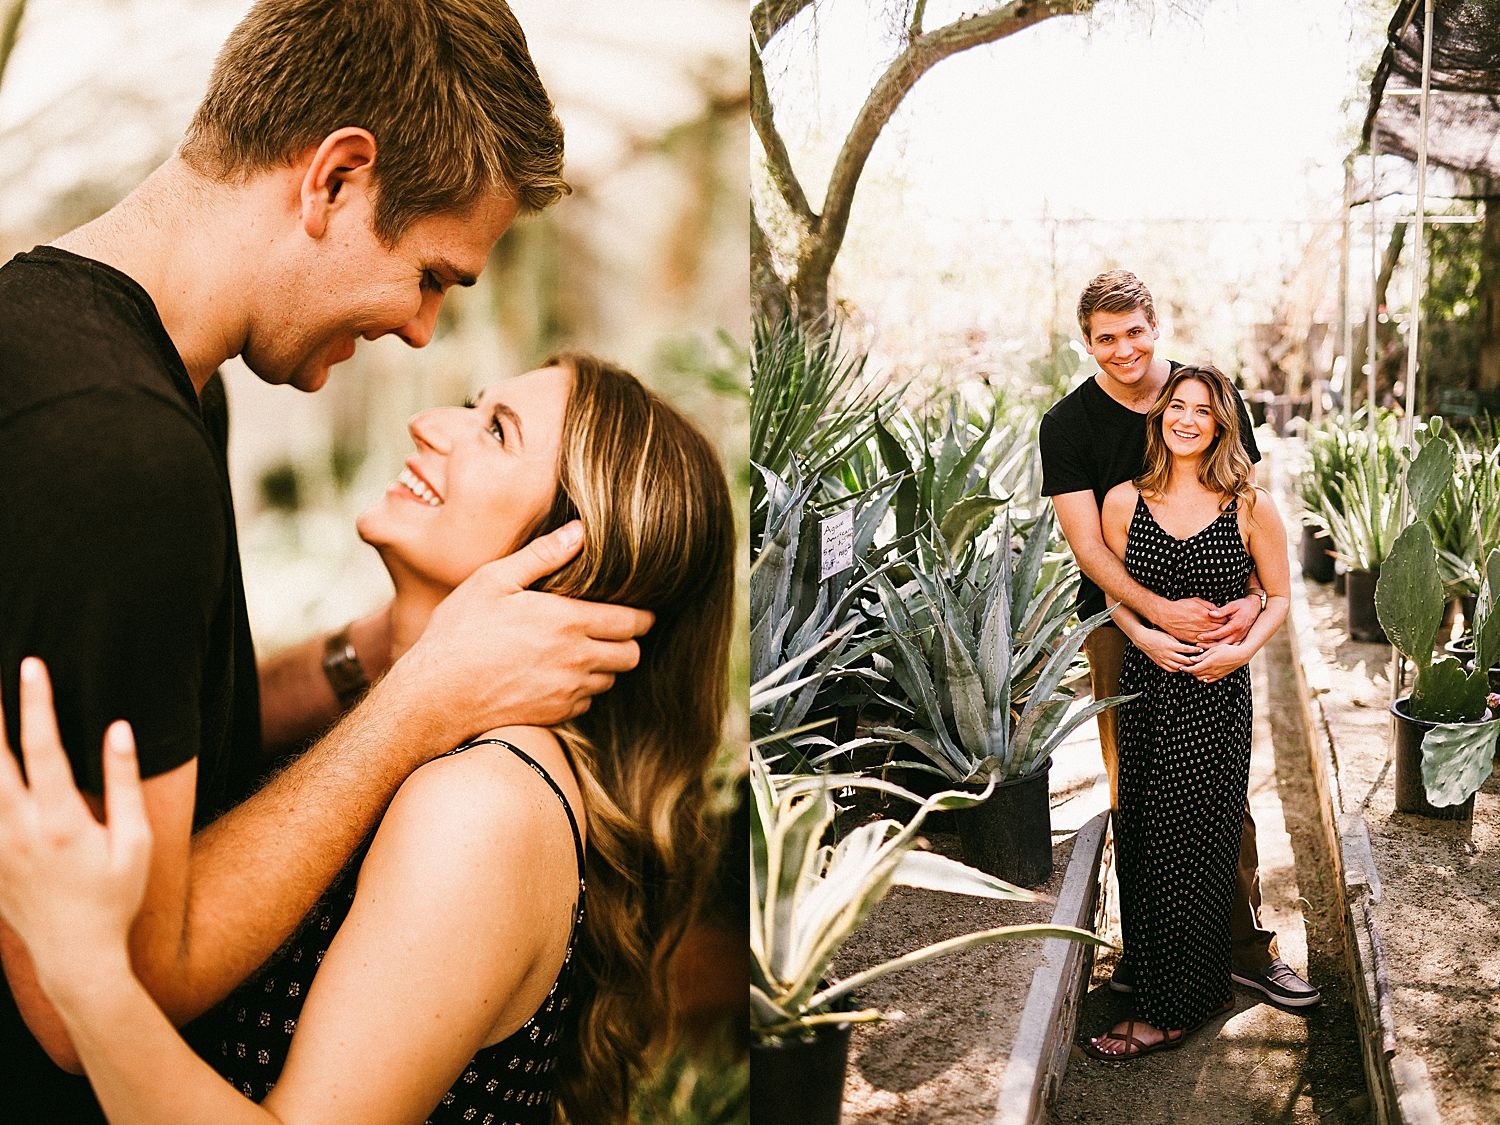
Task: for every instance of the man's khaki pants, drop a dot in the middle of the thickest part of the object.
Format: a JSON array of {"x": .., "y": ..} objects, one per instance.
[{"x": 1252, "y": 947}]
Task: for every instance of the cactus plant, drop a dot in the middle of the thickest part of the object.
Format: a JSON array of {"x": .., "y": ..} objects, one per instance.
[{"x": 1409, "y": 600}]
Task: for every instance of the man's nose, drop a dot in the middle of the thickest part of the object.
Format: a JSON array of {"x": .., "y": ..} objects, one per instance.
[{"x": 417, "y": 331}]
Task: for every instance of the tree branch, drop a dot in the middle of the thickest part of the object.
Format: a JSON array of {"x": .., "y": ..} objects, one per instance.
[
  {"x": 769, "y": 16},
  {"x": 920, "y": 56},
  {"x": 778, "y": 160},
  {"x": 914, "y": 30}
]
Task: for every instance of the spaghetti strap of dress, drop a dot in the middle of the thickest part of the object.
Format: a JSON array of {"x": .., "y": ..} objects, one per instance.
[{"x": 544, "y": 775}]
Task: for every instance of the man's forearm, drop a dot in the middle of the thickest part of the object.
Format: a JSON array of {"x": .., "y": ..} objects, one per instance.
[
  {"x": 258, "y": 870},
  {"x": 297, "y": 703},
  {"x": 1108, "y": 572}
]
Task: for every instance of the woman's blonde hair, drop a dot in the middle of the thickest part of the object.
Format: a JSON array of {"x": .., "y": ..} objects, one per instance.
[
  {"x": 1225, "y": 468},
  {"x": 659, "y": 535}
]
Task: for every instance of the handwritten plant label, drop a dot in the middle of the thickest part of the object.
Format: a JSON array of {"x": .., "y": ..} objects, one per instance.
[{"x": 838, "y": 543}]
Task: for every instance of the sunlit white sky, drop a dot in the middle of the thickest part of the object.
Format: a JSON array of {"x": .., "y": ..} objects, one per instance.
[
  {"x": 1151, "y": 131},
  {"x": 1235, "y": 108}
]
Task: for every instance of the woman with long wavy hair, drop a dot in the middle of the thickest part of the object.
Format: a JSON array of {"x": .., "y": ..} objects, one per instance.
[
  {"x": 497, "y": 950},
  {"x": 1191, "y": 525}
]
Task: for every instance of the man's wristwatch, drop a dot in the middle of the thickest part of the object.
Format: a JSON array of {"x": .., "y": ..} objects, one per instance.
[
  {"x": 346, "y": 675},
  {"x": 1261, "y": 594}
]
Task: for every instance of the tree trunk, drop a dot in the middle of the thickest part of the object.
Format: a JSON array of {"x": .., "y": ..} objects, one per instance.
[{"x": 824, "y": 230}]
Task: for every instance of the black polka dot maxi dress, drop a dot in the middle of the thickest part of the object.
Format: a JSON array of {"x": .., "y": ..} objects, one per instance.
[{"x": 1184, "y": 769}]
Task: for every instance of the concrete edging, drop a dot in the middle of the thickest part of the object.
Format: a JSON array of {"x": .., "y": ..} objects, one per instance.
[
  {"x": 1039, "y": 1053},
  {"x": 1400, "y": 1087}
]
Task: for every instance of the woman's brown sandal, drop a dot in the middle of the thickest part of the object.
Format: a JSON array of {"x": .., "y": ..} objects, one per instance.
[{"x": 1134, "y": 1048}]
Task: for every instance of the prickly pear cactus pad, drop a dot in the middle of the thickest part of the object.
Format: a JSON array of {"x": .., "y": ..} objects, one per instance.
[
  {"x": 1445, "y": 693},
  {"x": 1409, "y": 594}
]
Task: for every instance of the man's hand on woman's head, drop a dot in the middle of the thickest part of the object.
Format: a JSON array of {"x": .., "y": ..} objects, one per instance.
[{"x": 498, "y": 654}]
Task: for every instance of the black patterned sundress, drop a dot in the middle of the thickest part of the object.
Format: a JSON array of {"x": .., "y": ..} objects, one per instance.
[
  {"x": 513, "y": 1082},
  {"x": 1184, "y": 769}
]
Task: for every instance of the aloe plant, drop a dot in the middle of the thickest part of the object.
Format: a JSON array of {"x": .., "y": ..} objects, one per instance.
[
  {"x": 808, "y": 897},
  {"x": 810, "y": 402},
  {"x": 1365, "y": 517},
  {"x": 1409, "y": 600},
  {"x": 982, "y": 659},
  {"x": 1465, "y": 523},
  {"x": 798, "y": 617}
]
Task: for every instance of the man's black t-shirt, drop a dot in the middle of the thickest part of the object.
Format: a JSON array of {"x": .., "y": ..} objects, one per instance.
[
  {"x": 118, "y": 563},
  {"x": 1090, "y": 443}
]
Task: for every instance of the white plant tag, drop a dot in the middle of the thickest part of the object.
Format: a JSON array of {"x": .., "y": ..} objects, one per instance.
[{"x": 837, "y": 534}]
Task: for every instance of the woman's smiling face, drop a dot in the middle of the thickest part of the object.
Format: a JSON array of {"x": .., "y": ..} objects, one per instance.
[
  {"x": 482, "y": 479},
  {"x": 1188, "y": 425}
]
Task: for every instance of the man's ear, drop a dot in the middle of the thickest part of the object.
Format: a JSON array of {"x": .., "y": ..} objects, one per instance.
[{"x": 343, "y": 162}]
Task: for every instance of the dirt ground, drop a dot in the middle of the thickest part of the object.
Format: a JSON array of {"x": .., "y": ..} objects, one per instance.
[
  {"x": 940, "y": 1059},
  {"x": 1439, "y": 913}
]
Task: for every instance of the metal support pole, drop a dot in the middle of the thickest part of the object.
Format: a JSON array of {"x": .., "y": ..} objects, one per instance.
[
  {"x": 1370, "y": 348},
  {"x": 1419, "y": 262},
  {"x": 1346, "y": 335},
  {"x": 1418, "y": 291}
]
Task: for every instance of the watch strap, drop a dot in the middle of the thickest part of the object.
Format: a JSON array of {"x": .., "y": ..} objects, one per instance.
[{"x": 346, "y": 675}]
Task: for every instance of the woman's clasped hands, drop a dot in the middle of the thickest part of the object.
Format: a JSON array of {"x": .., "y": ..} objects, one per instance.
[{"x": 1207, "y": 663}]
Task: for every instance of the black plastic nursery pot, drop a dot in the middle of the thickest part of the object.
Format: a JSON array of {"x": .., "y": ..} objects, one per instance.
[
  {"x": 1010, "y": 834},
  {"x": 1411, "y": 794},
  {"x": 800, "y": 1080},
  {"x": 1340, "y": 580},
  {"x": 1317, "y": 563},
  {"x": 1359, "y": 600}
]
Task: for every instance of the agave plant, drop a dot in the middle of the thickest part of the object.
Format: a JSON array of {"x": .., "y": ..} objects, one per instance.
[
  {"x": 1409, "y": 599},
  {"x": 1366, "y": 517},
  {"x": 810, "y": 402},
  {"x": 1465, "y": 522},
  {"x": 798, "y": 618},
  {"x": 807, "y": 897},
  {"x": 946, "y": 468},
  {"x": 983, "y": 660}
]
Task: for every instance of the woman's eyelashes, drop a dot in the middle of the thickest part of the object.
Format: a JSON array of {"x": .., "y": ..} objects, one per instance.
[{"x": 496, "y": 428}]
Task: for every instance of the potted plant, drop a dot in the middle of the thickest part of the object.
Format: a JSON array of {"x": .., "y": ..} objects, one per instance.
[
  {"x": 1445, "y": 732},
  {"x": 981, "y": 656},
  {"x": 1328, "y": 458},
  {"x": 806, "y": 898},
  {"x": 1365, "y": 525}
]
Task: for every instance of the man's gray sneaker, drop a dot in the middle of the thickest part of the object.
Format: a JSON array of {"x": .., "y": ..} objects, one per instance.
[{"x": 1278, "y": 983}]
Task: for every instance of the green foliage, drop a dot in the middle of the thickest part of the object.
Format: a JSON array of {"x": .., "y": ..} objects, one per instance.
[
  {"x": 810, "y": 404},
  {"x": 799, "y": 620},
  {"x": 1457, "y": 760},
  {"x": 692, "y": 1085},
  {"x": 1365, "y": 519},
  {"x": 807, "y": 897},
  {"x": 979, "y": 653},
  {"x": 1465, "y": 521}
]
